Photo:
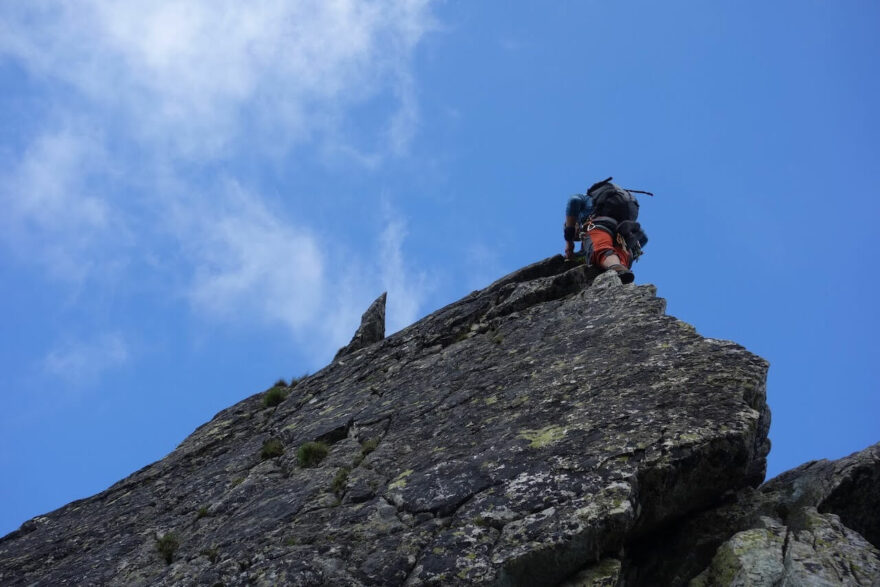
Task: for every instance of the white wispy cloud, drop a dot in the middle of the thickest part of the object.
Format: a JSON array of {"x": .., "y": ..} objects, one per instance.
[
  {"x": 81, "y": 362},
  {"x": 253, "y": 263},
  {"x": 57, "y": 210},
  {"x": 195, "y": 76},
  {"x": 406, "y": 286},
  {"x": 185, "y": 87},
  {"x": 248, "y": 259}
]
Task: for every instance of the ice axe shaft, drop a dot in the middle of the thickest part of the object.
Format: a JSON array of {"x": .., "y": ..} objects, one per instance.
[{"x": 598, "y": 183}]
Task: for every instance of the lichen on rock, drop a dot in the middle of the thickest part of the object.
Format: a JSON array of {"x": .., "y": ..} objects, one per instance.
[{"x": 546, "y": 429}]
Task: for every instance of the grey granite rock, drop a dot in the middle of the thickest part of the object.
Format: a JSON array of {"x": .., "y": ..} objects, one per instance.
[
  {"x": 605, "y": 573},
  {"x": 371, "y": 330},
  {"x": 813, "y": 525},
  {"x": 544, "y": 429}
]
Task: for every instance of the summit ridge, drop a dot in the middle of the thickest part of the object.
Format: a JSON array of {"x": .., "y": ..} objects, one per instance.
[{"x": 556, "y": 427}]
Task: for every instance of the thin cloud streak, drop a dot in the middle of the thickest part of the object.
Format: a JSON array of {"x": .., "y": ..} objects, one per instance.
[
  {"x": 247, "y": 259},
  {"x": 253, "y": 264},
  {"x": 198, "y": 76},
  {"x": 406, "y": 286},
  {"x": 82, "y": 362},
  {"x": 56, "y": 212},
  {"x": 180, "y": 90}
]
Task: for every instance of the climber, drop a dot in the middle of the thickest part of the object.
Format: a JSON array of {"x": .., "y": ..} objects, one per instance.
[
  {"x": 577, "y": 213},
  {"x": 604, "y": 219}
]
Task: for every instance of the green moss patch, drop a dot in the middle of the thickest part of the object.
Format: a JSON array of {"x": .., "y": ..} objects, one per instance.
[
  {"x": 339, "y": 481},
  {"x": 271, "y": 448},
  {"x": 166, "y": 547},
  {"x": 311, "y": 453},
  {"x": 274, "y": 396}
]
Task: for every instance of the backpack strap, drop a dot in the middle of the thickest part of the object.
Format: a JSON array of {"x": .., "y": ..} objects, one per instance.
[{"x": 604, "y": 223}]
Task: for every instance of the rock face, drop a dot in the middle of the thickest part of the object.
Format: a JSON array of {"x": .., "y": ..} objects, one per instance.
[
  {"x": 371, "y": 330},
  {"x": 813, "y": 525},
  {"x": 553, "y": 428}
]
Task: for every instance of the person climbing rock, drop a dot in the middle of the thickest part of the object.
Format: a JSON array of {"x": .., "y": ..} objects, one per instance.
[
  {"x": 577, "y": 213},
  {"x": 604, "y": 219}
]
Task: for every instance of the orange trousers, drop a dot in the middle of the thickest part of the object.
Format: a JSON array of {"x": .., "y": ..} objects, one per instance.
[{"x": 602, "y": 242}]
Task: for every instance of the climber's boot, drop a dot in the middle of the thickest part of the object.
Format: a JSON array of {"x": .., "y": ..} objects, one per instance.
[{"x": 625, "y": 275}]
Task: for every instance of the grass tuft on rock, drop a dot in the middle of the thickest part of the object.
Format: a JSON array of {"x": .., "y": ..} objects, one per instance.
[
  {"x": 275, "y": 395},
  {"x": 311, "y": 453},
  {"x": 338, "y": 485},
  {"x": 369, "y": 446},
  {"x": 271, "y": 448},
  {"x": 296, "y": 380},
  {"x": 166, "y": 546},
  {"x": 211, "y": 553}
]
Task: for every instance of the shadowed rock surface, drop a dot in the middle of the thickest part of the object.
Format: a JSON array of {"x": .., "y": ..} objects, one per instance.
[
  {"x": 371, "y": 330},
  {"x": 817, "y": 524},
  {"x": 553, "y": 428}
]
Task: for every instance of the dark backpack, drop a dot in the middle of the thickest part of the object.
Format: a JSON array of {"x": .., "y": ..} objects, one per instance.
[
  {"x": 609, "y": 199},
  {"x": 634, "y": 237}
]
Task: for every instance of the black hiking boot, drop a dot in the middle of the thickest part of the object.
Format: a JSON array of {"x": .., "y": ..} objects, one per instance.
[{"x": 625, "y": 275}]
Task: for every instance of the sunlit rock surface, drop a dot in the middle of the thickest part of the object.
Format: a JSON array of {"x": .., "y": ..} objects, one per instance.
[{"x": 553, "y": 428}]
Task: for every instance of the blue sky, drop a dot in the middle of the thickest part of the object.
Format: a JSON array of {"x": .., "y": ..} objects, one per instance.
[{"x": 201, "y": 197}]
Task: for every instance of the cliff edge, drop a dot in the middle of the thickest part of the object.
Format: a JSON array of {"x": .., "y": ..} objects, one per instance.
[{"x": 554, "y": 427}]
